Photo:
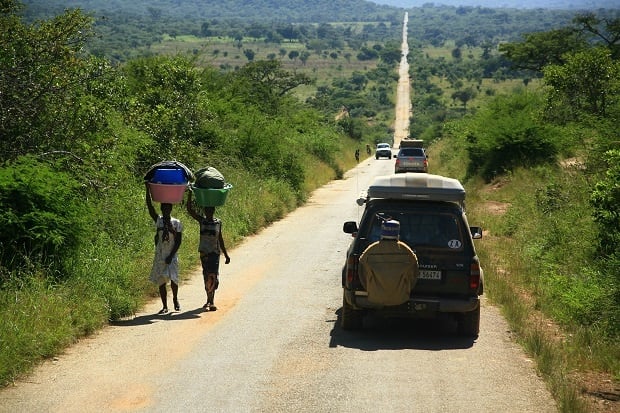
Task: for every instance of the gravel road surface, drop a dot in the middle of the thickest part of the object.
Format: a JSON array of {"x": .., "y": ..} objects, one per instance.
[{"x": 275, "y": 345}]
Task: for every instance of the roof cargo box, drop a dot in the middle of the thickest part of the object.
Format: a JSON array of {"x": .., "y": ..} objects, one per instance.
[
  {"x": 412, "y": 143},
  {"x": 420, "y": 186}
]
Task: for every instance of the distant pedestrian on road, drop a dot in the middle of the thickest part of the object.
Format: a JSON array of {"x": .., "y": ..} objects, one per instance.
[
  {"x": 168, "y": 239},
  {"x": 357, "y": 155},
  {"x": 211, "y": 246}
]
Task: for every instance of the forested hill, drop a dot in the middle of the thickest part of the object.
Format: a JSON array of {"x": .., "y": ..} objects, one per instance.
[
  {"x": 253, "y": 10},
  {"x": 510, "y": 4},
  {"x": 129, "y": 28}
]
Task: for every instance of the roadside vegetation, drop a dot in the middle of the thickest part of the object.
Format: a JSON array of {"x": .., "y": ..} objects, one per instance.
[
  {"x": 527, "y": 121},
  {"x": 541, "y": 166},
  {"x": 78, "y": 136}
]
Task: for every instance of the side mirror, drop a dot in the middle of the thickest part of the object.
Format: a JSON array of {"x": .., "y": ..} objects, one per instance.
[
  {"x": 476, "y": 232},
  {"x": 395, "y": 156},
  {"x": 349, "y": 227}
]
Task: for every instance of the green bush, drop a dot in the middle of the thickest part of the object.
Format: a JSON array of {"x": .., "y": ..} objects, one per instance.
[
  {"x": 606, "y": 202},
  {"x": 42, "y": 215},
  {"x": 507, "y": 134},
  {"x": 584, "y": 299}
]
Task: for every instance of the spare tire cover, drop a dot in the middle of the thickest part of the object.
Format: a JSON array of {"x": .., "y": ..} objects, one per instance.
[{"x": 388, "y": 270}]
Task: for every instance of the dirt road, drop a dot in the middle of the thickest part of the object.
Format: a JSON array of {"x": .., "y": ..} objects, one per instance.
[
  {"x": 275, "y": 344},
  {"x": 403, "y": 102}
]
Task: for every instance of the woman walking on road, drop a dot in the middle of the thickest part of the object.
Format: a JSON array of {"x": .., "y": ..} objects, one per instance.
[
  {"x": 168, "y": 238},
  {"x": 211, "y": 246}
]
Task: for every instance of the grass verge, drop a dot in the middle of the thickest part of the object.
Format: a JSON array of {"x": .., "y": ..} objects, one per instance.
[{"x": 536, "y": 231}]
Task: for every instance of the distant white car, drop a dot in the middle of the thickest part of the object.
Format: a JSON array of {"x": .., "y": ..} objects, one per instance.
[{"x": 383, "y": 150}]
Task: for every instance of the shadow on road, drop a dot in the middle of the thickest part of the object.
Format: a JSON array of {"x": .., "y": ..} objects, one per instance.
[
  {"x": 398, "y": 334},
  {"x": 151, "y": 318}
]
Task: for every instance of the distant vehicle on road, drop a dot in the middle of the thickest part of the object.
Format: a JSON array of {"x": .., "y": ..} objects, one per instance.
[
  {"x": 411, "y": 159},
  {"x": 384, "y": 150},
  {"x": 411, "y": 156}
]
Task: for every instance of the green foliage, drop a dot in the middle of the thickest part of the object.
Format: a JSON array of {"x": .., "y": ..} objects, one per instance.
[
  {"x": 507, "y": 134},
  {"x": 606, "y": 203},
  {"x": 324, "y": 142},
  {"x": 589, "y": 81},
  {"x": 50, "y": 93},
  {"x": 10, "y": 6},
  {"x": 587, "y": 299},
  {"x": 602, "y": 30},
  {"x": 37, "y": 320},
  {"x": 129, "y": 30},
  {"x": 391, "y": 54},
  {"x": 73, "y": 249},
  {"x": 42, "y": 216},
  {"x": 264, "y": 149},
  {"x": 538, "y": 50},
  {"x": 164, "y": 100},
  {"x": 545, "y": 244},
  {"x": 265, "y": 83},
  {"x": 352, "y": 127}
]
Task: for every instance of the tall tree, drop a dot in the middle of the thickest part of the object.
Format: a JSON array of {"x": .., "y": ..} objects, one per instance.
[
  {"x": 587, "y": 82},
  {"x": 603, "y": 30},
  {"x": 267, "y": 82},
  {"x": 45, "y": 82},
  {"x": 540, "y": 49}
]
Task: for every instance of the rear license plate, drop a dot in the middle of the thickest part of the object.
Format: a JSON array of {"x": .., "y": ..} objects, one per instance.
[{"x": 430, "y": 275}]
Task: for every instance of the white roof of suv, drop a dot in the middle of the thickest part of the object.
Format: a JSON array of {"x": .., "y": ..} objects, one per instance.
[
  {"x": 411, "y": 143},
  {"x": 417, "y": 186}
]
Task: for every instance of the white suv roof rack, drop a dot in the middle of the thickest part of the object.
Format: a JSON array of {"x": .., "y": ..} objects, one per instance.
[
  {"x": 411, "y": 143},
  {"x": 417, "y": 186}
]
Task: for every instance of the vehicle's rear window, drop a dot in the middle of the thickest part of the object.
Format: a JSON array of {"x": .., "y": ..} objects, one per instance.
[
  {"x": 411, "y": 152},
  {"x": 440, "y": 230}
]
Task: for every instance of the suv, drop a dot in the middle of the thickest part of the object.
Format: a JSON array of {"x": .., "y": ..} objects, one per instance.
[
  {"x": 411, "y": 157},
  {"x": 431, "y": 213},
  {"x": 383, "y": 150}
]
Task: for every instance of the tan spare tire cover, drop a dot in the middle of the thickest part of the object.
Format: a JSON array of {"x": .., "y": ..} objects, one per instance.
[{"x": 388, "y": 271}]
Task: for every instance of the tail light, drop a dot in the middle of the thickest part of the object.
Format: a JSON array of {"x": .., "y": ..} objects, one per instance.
[
  {"x": 474, "y": 276},
  {"x": 352, "y": 264}
]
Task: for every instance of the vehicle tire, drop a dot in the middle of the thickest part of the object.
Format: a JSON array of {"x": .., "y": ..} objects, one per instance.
[
  {"x": 376, "y": 156},
  {"x": 350, "y": 319},
  {"x": 468, "y": 324}
]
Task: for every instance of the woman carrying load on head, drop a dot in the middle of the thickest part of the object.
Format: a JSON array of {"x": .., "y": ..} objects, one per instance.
[
  {"x": 168, "y": 239},
  {"x": 211, "y": 246}
]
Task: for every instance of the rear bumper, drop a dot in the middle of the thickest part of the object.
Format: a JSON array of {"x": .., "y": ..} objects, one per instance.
[
  {"x": 415, "y": 306},
  {"x": 410, "y": 169}
]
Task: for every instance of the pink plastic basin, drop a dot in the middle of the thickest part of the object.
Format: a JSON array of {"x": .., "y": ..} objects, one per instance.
[{"x": 167, "y": 193}]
